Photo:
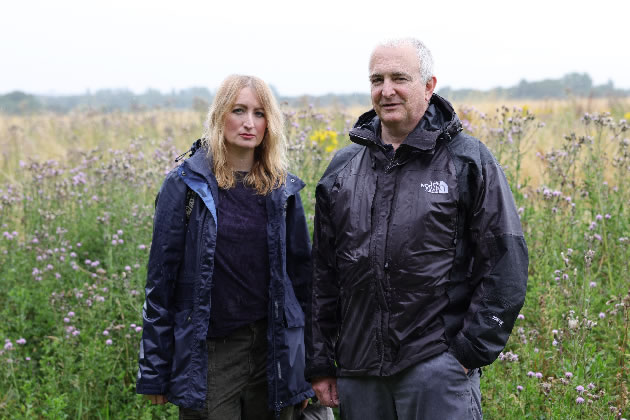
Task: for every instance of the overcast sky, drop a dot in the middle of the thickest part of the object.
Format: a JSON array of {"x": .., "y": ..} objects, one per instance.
[{"x": 302, "y": 47}]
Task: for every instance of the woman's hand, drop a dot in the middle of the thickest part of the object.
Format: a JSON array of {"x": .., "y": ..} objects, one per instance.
[{"x": 156, "y": 399}]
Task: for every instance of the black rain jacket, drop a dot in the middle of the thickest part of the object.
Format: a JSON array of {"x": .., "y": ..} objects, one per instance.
[
  {"x": 415, "y": 255},
  {"x": 173, "y": 357}
]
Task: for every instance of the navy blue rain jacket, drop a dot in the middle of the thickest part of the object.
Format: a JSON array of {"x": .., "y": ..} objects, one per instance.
[{"x": 173, "y": 352}]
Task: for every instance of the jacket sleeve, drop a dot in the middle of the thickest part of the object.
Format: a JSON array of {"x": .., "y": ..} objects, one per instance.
[
  {"x": 167, "y": 249},
  {"x": 322, "y": 322},
  {"x": 499, "y": 269},
  {"x": 299, "y": 263}
]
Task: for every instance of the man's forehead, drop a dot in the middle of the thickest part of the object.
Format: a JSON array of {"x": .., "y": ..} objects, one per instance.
[{"x": 389, "y": 60}]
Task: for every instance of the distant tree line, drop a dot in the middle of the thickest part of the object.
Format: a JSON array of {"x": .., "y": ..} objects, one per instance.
[
  {"x": 570, "y": 85},
  {"x": 199, "y": 98}
]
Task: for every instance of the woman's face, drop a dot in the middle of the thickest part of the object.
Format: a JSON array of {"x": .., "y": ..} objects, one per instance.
[{"x": 245, "y": 123}]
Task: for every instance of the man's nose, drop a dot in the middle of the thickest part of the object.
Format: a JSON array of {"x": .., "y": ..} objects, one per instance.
[{"x": 388, "y": 88}]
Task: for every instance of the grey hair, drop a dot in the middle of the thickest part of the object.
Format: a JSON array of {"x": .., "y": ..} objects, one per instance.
[{"x": 425, "y": 59}]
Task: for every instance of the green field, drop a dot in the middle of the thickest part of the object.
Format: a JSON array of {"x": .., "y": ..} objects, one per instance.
[{"x": 76, "y": 208}]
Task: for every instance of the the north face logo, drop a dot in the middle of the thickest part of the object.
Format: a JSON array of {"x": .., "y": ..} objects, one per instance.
[{"x": 435, "y": 187}]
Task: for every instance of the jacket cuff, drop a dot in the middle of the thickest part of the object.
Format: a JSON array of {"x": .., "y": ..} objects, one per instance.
[
  {"x": 319, "y": 371},
  {"x": 463, "y": 351},
  {"x": 151, "y": 388}
]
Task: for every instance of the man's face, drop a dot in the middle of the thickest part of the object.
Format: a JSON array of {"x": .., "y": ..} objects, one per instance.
[{"x": 399, "y": 96}]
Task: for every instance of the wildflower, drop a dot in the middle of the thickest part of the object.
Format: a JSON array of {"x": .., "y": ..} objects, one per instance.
[
  {"x": 127, "y": 268},
  {"x": 8, "y": 345},
  {"x": 592, "y": 284},
  {"x": 70, "y": 314},
  {"x": 602, "y": 315},
  {"x": 88, "y": 262},
  {"x": 598, "y": 237},
  {"x": 132, "y": 326},
  {"x": 121, "y": 241},
  {"x": 539, "y": 375},
  {"x": 607, "y": 216},
  {"x": 599, "y": 217},
  {"x": 519, "y": 388},
  {"x": 579, "y": 388},
  {"x": 114, "y": 242},
  {"x": 142, "y": 246},
  {"x": 108, "y": 342},
  {"x": 520, "y": 316},
  {"x": 579, "y": 400},
  {"x": 568, "y": 375},
  {"x": 573, "y": 324},
  {"x": 76, "y": 332},
  {"x": 105, "y": 332},
  {"x": 66, "y": 320},
  {"x": 591, "y": 385},
  {"x": 73, "y": 254},
  {"x": 119, "y": 232},
  {"x": 531, "y": 374},
  {"x": 28, "y": 359},
  {"x": 138, "y": 329},
  {"x": 21, "y": 341},
  {"x": 554, "y": 343}
]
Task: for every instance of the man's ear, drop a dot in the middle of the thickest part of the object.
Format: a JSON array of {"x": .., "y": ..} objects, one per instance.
[{"x": 430, "y": 87}]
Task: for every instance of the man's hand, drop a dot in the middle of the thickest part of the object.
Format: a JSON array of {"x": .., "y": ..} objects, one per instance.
[
  {"x": 325, "y": 389},
  {"x": 156, "y": 399}
]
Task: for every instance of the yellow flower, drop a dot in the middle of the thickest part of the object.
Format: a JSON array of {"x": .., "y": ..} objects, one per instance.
[
  {"x": 626, "y": 116},
  {"x": 326, "y": 139}
]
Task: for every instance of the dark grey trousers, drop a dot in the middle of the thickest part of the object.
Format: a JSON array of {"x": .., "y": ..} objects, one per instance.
[
  {"x": 434, "y": 389},
  {"x": 237, "y": 381}
]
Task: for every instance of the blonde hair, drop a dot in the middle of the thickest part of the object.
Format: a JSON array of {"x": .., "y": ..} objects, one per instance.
[{"x": 270, "y": 163}]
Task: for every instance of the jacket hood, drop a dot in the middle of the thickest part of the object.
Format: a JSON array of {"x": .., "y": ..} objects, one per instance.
[
  {"x": 201, "y": 163},
  {"x": 439, "y": 119}
]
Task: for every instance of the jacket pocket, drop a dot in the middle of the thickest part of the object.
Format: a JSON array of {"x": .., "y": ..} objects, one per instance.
[{"x": 183, "y": 333}]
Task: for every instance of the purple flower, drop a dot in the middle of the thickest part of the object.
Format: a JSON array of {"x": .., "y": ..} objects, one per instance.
[
  {"x": 602, "y": 315},
  {"x": 70, "y": 314},
  {"x": 21, "y": 341},
  {"x": 76, "y": 332},
  {"x": 105, "y": 332},
  {"x": 519, "y": 388},
  {"x": 599, "y": 217},
  {"x": 142, "y": 246},
  {"x": 579, "y": 400},
  {"x": 554, "y": 343},
  {"x": 531, "y": 374},
  {"x": 579, "y": 388},
  {"x": 539, "y": 375},
  {"x": 108, "y": 342},
  {"x": 591, "y": 385},
  {"x": 8, "y": 345},
  {"x": 597, "y": 236},
  {"x": 520, "y": 316},
  {"x": 568, "y": 375},
  {"x": 28, "y": 359},
  {"x": 138, "y": 329},
  {"x": 592, "y": 284},
  {"x": 66, "y": 320}
]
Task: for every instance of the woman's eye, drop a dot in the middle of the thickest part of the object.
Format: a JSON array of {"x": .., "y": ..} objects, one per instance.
[
  {"x": 237, "y": 110},
  {"x": 260, "y": 114}
]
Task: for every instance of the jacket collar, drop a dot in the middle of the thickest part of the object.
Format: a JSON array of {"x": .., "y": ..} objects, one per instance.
[
  {"x": 201, "y": 163},
  {"x": 440, "y": 120}
]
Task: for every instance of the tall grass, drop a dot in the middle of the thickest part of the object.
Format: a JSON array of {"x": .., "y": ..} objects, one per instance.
[{"x": 76, "y": 207}]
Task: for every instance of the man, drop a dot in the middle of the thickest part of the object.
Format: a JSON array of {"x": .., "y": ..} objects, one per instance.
[{"x": 420, "y": 265}]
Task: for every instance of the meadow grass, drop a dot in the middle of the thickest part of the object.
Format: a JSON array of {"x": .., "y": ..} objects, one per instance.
[{"x": 76, "y": 208}]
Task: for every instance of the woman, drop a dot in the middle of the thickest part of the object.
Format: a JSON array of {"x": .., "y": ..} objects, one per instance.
[{"x": 229, "y": 270}]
